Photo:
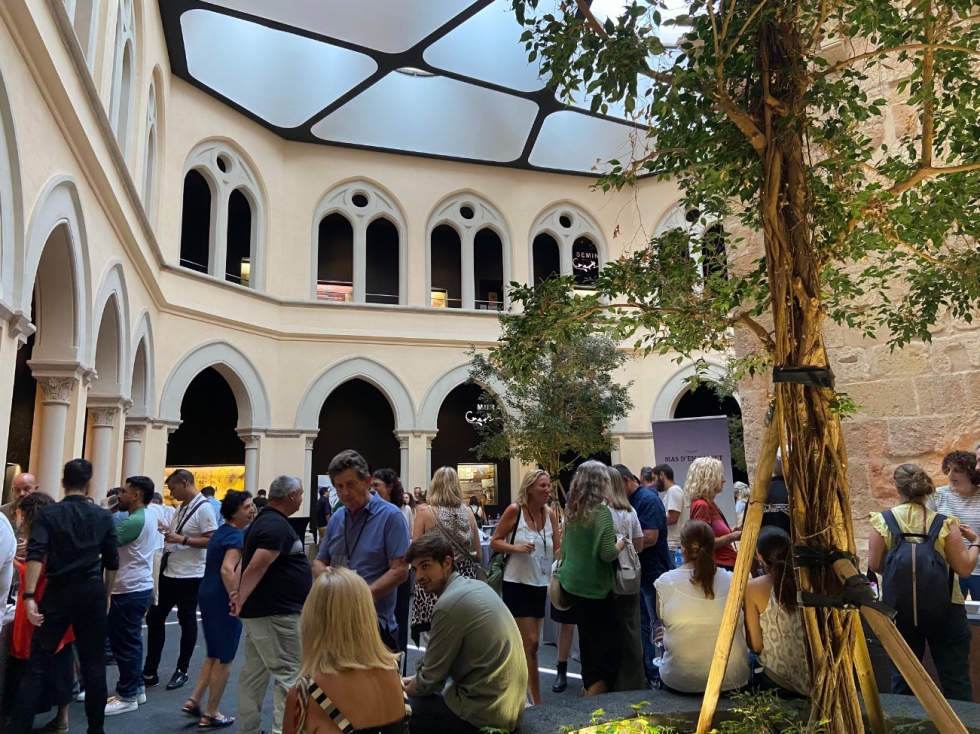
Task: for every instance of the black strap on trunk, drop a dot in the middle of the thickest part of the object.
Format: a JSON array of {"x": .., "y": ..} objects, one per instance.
[
  {"x": 809, "y": 376},
  {"x": 857, "y": 589}
]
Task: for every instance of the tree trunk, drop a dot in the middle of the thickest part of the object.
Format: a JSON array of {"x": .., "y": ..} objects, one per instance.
[{"x": 814, "y": 457}]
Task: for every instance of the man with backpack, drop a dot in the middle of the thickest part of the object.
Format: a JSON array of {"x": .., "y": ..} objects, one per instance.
[{"x": 920, "y": 552}]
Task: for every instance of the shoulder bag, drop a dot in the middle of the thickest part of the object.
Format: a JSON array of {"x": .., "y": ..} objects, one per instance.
[
  {"x": 189, "y": 513},
  {"x": 498, "y": 560},
  {"x": 460, "y": 552}
]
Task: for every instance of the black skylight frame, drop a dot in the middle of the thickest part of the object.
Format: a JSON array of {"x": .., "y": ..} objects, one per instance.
[{"x": 545, "y": 99}]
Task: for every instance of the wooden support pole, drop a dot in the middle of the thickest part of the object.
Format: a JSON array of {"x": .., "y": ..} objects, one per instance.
[
  {"x": 736, "y": 594},
  {"x": 937, "y": 707},
  {"x": 869, "y": 686}
]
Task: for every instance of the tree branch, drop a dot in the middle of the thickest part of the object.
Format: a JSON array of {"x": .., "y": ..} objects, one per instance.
[
  {"x": 896, "y": 49},
  {"x": 823, "y": 14},
  {"x": 923, "y": 173},
  {"x": 594, "y": 24},
  {"x": 758, "y": 329},
  {"x": 928, "y": 82}
]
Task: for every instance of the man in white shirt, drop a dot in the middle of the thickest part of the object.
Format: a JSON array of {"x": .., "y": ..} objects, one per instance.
[
  {"x": 187, "y": 539},
  {"x": 672, "y": 496},
  {"x": 132, "y": 592}
]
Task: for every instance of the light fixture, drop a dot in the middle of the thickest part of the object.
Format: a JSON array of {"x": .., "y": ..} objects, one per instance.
[
  {"x": 414, "y": 71},
  {"x": 246, "y": 269}
]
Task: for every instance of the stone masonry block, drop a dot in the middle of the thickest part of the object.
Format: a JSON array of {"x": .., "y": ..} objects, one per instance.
[
  {"x": 884, "y": 398},
  {"x": 915, "y": 436},
  {"x": 910, "y": 361},
  {"x": 850, "y": 363},
  {"x": 939, "y": 394}
]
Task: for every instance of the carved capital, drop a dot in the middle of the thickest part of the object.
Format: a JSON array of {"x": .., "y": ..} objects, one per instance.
[
  {"x": 57, "y": 389},
  {"x": 309, "y": 442},
  {"x": 104, "y": 417},
  {"x": 250, "y": 440},
  {"x": 403, "y": 443},
  {"x": 133, "y": 433}
]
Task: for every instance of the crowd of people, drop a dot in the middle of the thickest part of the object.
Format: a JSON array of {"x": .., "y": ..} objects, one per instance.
[{"x": 639, "y": 567}]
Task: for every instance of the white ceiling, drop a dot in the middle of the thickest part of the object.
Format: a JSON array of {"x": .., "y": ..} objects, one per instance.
[{"x": 326, "y": 71}]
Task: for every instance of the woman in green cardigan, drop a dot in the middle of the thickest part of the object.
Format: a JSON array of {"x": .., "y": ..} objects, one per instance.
[{"x": 588, "y": 550}]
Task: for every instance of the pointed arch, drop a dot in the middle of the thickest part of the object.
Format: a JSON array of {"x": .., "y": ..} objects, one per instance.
[
  {"x": 440, "y": 388},
  {"x": 56, "y": 262},
  {"x": 359, "y": 367},
  {"x": 110, "y": 347},
  {"x": 142, "y": 372},
  {"x": 567, "y": 223},
  {"x": 675, "y": 387},
  {"x": 254, "y": 411},
  {"x": 121, "y": 98}
]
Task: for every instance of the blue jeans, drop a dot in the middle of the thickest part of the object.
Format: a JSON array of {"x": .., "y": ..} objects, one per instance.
[
  {"x": 971, "y": 584},
  {"x": 126, "y": 614},
  {"x": 648, "y": 615}
]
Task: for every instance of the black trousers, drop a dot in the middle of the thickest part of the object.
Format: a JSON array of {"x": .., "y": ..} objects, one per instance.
[
  {"x": 81, "y": 605},
  {"x": 949, "y": 644},
  {"x": 180, "y": 593}
]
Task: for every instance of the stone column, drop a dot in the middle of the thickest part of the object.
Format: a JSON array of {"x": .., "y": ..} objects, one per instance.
[
  {"x": 103, "y": 421},
  {"x": 428, "y": 460},
  {"x": 308, "y": 466},
  {"x": 403, "y": 437},
  {"x": 132, "y": 449},
  {"x": 54, "y": 422},
  {"x": 468, "y": 269},
  {"x": 614, "y": 454},
  {"x": 360, "y": 263},
  {"x": 251, "y": 462}
]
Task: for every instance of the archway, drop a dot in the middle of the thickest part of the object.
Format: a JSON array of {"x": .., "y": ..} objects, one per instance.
[
  {"x": 196, "y": 222},
  {"x": 454, "y": 443},
  {"x": 704, "y": 401},
  {"x": 356, "y": 415},
  {"x": 206, "y": 441},
  {"x": 447, "y": 268}
]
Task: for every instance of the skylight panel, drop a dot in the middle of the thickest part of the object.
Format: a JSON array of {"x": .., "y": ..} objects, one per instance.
[{"x": 573, "y": 141}]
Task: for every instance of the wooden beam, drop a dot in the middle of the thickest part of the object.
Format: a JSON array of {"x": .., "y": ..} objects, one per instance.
[
  {"x": 937, "y": 707},
  {"x": 869, "y": 686},
  {"x": 736, "y": 594}
]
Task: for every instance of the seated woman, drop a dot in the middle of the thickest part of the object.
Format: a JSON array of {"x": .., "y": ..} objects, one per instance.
[
  {"x": 691, "y": 602},
  {"x": 350, "y": 681},
  {"x": 773, "y": 622}
]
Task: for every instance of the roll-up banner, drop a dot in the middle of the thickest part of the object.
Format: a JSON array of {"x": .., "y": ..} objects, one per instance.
[{"x": 680, "y": 441}]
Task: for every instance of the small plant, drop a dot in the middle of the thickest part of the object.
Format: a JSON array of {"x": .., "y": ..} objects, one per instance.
[{"x": 765, "y": 713}]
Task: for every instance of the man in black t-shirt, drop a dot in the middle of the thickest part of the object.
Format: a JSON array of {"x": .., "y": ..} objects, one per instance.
[
  {"x": 274, "y": 582},
  {"x": 323, "y": 512}
]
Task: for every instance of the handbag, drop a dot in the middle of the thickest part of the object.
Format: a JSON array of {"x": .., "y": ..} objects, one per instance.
[
  {"x": 498, "y": 561},
  {"x": 180, "y": 526},
  {"x": 557, "y": 593},
  {"x": 461, "y": 552},
  {"x": 626, "y": 581}
]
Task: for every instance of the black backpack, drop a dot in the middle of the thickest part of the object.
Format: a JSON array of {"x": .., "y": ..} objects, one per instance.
[{"x": 917, "y": 583}]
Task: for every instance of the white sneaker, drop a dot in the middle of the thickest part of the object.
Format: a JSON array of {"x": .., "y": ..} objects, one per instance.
[
  {"x": 141, "y": 696},
  {"x": 118, "y": 706},
  {"x": 81, "y": 697}
]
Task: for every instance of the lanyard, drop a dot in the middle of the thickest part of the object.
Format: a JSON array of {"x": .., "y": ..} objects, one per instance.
[
  {"x": 350, "y": 551},
  {"x": 541, "y": 532}
]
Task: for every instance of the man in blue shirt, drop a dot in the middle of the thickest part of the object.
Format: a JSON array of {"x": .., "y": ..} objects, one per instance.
[
  {"x": 654, "y": 558},
  {"x": 367, "y": 535},
  {"x": 215, "y": 503}
]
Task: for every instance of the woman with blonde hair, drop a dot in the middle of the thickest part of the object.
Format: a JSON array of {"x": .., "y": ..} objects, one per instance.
[
  {"x": 631, "y": 674},
  {"x": 444, "y": 513},
  {"x": 691, "y": 603},
  {"x": 348, "y": 677},
  {"x": 705, "y": 480},
  {"x": 528, "y": 533},
  {"x": 586, "y": 575}
]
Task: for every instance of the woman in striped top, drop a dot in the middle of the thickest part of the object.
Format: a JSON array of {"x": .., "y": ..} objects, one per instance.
[{"x": 961, "y": 499}]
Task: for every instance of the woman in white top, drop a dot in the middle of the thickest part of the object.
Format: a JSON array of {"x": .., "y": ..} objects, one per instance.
[
  {"x": 773, "y": 621},
  {"x": 691, "y": 602},
  {"x": 528, "y": 532},
  {"x": 631, "y": 674},
  {"x": 961, "y": 499}
]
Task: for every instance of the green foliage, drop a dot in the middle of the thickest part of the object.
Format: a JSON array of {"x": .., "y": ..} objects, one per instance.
[
  {"x": 764, "y": 713},
  {"x": 891, "y": 224},
  {"x": 564, "y": 400}
]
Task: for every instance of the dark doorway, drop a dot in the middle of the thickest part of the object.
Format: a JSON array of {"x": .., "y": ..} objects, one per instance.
[
  {"x": 209, "y": 416},
  {"x": 195, "y": 225},
  {"x": 238, "y": 260},
  {"x": 356, "y": 416},
  {"x": 335, "y": 259},
  {"x": 547, "y": 258},
  {"x": 381, "y": 279},
  {"x": 566, "y": 476},
  {"x": 702, "y": 402},
  {"x": 488, "y": 270},
  {"x": 447, "y": 268},
  {"x": 22, "y": 409},
  {"x": 457, "y": 437}
]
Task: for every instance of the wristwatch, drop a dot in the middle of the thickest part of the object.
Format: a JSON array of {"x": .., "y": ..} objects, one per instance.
[{"x": 184, "y": 541}]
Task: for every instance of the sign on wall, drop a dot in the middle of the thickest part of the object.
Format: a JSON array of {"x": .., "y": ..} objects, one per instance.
[
  {"x": 222, "y": 478},
  {"x": 680, "y": 441}
]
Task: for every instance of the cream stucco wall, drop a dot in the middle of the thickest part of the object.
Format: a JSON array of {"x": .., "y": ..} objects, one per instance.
[{"x": 275, "y": 343}]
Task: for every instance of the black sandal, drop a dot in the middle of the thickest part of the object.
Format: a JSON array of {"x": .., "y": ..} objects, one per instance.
[
  {"x": 194, "y": 711},
  {"x": 215, "y": 722}
]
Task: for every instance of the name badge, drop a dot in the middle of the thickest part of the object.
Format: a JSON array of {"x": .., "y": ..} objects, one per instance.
[{"x": 545, "y": 565}]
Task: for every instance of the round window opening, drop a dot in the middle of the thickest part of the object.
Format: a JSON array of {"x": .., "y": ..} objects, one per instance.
[
  {"x": 466, "y": 212},
  {"x": 359, "y": 200},
  {"x": 691, "y": 215},
  {"x": 224, "y": 165},
  {"x": 565, "y": 220}
]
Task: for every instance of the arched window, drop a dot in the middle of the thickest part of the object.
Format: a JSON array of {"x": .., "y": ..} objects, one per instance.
[
  {"x": 469, "y": 254},
  {"x": 335, "y": 259},
  {"x": 567, "y": 241},
  {"x": 359, "y": 246},
  {"x": 195, "y": 225},
  {"x": 714, "y": 256},
  {"x": 123, "y": 76},
  {"x": 488, "y": 270},
  {"x": 233, "y": 208},
  {"x": 150, "y": 153},
  {"x": 711, "y": 254},
  {"x": 447, "y": 268},
  {"x": 238, "y": 257},
  {"x": 83, "y": 16},
  {"x": 547, "y": 258}
]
